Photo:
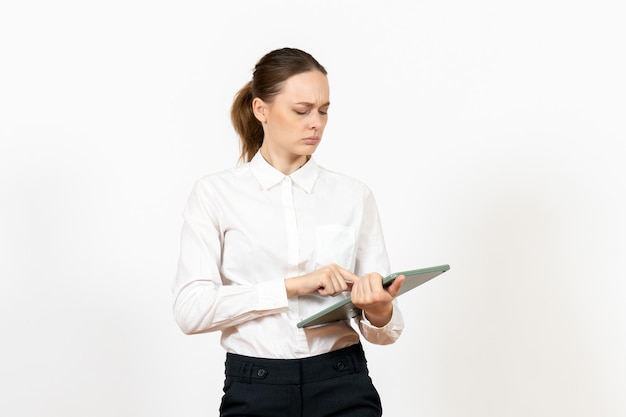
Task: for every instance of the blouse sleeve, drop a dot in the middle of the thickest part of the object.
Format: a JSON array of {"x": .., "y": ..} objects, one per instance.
[
  {"x": 201, "y": 302},
  {"x": 387, "y": 334},
  {"x": 372, "y": 257}
]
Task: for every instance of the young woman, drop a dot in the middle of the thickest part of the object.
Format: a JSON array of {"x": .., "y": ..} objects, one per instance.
[{"x": 275, "y": 240}]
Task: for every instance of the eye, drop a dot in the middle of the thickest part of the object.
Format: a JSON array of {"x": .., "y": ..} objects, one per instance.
[{"x": 301, "y": 112}]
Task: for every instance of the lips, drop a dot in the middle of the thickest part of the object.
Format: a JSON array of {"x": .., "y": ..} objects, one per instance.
[{"x": 313, "y": 140}]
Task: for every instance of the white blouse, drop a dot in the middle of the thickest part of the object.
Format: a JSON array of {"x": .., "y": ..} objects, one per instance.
[{"x": 247, "y": 229}]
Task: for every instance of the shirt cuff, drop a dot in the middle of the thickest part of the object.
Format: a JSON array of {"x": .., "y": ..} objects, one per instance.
[
  {"x": 394, "y": 323},
  {"x": 271, "y": 295}
]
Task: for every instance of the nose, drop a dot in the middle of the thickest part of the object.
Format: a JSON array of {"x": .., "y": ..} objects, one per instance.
[{"x": 316, "y": 121}]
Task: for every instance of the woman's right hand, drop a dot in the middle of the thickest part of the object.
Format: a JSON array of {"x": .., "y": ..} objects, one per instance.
[{"x": 329, "y": 280}]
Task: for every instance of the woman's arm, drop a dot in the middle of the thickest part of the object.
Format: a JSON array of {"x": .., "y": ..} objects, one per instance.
[
  {"x": 201, "y": 302},
  {"x": 382, "y": 321}
]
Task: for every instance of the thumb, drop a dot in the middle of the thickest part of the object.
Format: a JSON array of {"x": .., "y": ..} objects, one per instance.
[{"x": 395, "y": 286}]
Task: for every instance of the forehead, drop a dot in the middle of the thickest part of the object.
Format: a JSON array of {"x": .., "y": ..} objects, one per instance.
[{"x": 309, "y": 87}]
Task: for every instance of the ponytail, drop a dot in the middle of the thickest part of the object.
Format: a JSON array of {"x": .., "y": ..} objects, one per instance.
[{"x": 246, "y": 125}]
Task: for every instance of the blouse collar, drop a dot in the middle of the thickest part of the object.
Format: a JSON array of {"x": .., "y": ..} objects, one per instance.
[{"x": 268, "y": 176}]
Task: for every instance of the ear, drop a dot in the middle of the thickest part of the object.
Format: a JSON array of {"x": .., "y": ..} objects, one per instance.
[{"x": 259, "y": 108}]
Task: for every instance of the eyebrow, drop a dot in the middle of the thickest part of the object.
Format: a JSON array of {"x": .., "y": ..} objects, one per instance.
[{"x": 305, "y": 103}]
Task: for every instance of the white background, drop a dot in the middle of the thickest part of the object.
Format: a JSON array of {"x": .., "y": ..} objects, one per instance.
[{"x": 489, "y": 131}]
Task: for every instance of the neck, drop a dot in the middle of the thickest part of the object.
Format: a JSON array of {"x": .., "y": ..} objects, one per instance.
[{"x": 287, "y": 164}]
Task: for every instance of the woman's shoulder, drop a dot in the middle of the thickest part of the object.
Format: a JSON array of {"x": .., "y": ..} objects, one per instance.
[
  {"x": 221, "y": 177},
  {"x": 343, "y": 180},
  {"x": 227, "y": 173}
]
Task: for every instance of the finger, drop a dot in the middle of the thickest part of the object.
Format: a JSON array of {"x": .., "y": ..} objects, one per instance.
[
  {"x": 343, "y": 279},
  {"x": 374, "y": 281},
  {"x": 327, "y": 285},
  {"x": 333, "y": 283},
  {"x": 351, "y": 283},
  {"x": 347, "y": 275},
  {"x": 368, "y": 285},
  {"x": 362, "y": 291},
  {"x": 340, "y": 282},
  {"x": 395, "y": 286}
]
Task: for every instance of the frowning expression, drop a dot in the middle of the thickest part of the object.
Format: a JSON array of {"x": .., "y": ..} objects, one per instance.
[{"x": 294, "y": 120}]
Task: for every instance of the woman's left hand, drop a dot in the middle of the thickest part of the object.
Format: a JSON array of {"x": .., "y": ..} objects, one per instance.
[{"x": 369, "y": 295}]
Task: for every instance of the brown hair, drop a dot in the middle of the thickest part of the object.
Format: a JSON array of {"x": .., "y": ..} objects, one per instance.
[{"x": 270, "y": 73}]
